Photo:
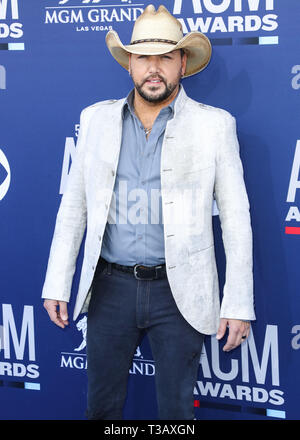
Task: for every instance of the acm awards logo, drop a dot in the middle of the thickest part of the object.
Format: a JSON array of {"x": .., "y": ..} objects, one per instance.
[
  {"x": 293, "y": 215},
  {"x": 9, "y": 12},
  {"x": 91, "y": 15},
  {"x": 226, "y": 16},
  {"x": 254, "y": 378},
  {"x": 17, "y": 345}
]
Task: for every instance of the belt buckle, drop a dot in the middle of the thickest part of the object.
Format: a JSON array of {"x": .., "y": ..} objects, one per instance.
[{"x": 136, "y": 275}]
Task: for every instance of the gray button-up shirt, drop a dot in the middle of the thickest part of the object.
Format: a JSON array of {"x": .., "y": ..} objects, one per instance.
[{"x": 134, "y": 230}]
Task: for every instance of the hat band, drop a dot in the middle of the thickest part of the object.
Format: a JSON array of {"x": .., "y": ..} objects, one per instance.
[{"x": 154, "y": 40}]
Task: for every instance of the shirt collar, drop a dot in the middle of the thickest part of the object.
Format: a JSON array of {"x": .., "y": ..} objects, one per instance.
[{"x": 128, "y": 103}]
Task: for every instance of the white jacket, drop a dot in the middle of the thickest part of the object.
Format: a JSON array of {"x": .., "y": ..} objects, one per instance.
[{"x": 199, "y": 162}]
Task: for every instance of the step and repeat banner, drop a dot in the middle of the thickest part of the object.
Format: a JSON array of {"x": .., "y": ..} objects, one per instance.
[{"x": 53, "y": 63}]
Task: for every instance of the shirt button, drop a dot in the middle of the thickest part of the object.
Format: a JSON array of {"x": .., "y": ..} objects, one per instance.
[
  {"x": 99, "y": 237},
  {"x": 140, "y": 236},
  {"x": 112, "y": 172}
]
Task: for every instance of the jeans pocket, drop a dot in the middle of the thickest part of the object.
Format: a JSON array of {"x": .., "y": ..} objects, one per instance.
[{"x": 101, "y": 269}]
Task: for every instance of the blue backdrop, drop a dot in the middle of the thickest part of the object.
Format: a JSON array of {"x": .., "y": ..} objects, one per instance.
[{"x": 53, "y": 63}]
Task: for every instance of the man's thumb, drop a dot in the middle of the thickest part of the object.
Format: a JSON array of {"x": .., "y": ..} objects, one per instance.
[
  {"x": 63, "y": 311},
  {"x": 222, "y": 329}
]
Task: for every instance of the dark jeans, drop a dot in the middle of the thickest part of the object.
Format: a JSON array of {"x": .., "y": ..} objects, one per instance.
[{"x": 121, "y": 309}]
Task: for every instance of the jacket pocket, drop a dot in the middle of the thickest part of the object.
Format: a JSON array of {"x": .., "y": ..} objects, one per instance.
[
  {"x": 195, "y": 249},
  {"x": 198, "y": 169}
]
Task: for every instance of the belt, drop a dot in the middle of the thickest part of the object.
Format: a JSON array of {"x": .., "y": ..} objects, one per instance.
[{"x": 140, "y": 271}]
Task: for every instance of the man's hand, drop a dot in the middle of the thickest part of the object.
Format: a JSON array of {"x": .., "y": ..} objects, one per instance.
[
  {"x": 58, "y": 312},
  {"x": 238, "y": 332}
]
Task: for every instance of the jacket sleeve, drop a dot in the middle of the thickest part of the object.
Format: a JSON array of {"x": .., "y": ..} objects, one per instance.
[
  {"x": 69, "y": 227},
  {"x": 234, "y": 214}
]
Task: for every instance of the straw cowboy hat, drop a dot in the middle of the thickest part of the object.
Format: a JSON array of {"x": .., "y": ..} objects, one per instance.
[{"x": 158, "y": 32}]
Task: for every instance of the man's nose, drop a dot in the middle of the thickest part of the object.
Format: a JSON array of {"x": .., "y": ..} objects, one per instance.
[{"x": 154, "y": 64}]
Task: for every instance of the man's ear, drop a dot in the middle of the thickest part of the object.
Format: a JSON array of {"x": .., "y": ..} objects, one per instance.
[
  {"x": 183, "y": 64},
  {"x": 129, "y": 64}
]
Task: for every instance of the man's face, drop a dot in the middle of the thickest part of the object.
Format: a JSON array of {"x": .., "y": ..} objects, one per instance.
[{"x": 156, "y": 77}]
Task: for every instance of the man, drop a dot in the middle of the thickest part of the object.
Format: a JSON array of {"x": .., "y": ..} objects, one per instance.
[{"x": 158, "y": 275}]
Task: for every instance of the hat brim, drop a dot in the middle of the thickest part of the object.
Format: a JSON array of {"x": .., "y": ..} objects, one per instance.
[{"x": 196, "y": 45}]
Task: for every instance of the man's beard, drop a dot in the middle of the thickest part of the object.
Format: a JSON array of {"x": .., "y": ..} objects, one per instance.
[{"x": 169, "y": 89}]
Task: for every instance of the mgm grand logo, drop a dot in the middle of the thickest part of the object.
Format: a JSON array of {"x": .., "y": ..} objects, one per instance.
[
  {"x": 92, "y": 15},
  {"x": 78, "y": 359}
]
